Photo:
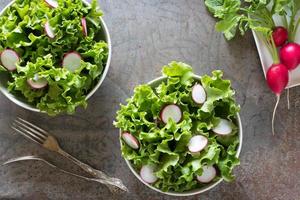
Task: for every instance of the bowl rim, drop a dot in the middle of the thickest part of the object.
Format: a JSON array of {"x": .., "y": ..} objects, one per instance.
[
  {"x": 26, "y": 105},
  {"x": 194, "y": 191}
]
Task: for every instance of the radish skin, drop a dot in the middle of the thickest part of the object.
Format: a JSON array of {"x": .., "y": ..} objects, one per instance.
[
  {"x": 289, "y": 55},
  {"x": 280, "y": 36},
  {"x": 208, "y": 174},
  {"x": 147, "y": 174},
  {"x": 171, "y": 111},
  {"x": 223, "y": 128},
  {"x": 197, "y": 143},
  {"x": 49, "y": 30},
  {"x": 130, "y": 140},
  {"x": 52, "y": 3},
  {"x": 198, "y": 94},
  {"x": 37, "y": 83},
  {"x": 9, "y": 59},
  {"x": 84, "y": 26},
  {"x": 72, "y": 61}
]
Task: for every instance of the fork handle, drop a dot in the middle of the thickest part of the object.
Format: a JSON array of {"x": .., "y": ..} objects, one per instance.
[{"x": 109, "y": 181}]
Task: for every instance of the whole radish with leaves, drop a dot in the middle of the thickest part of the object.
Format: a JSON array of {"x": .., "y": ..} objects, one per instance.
[
  {"x": 258, "y": 16},
  {"x": 290, "y": 52},
  {"x": 277, "y": 75}
]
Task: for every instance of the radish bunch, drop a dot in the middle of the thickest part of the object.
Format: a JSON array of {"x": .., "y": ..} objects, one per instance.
[
  {"x": 289, "y": 58},
  {"x": 289, "y": 51}
]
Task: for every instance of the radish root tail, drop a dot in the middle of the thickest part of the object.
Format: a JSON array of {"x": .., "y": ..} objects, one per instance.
[
  {"x": 274, "y": 113},
  {"x": 288, "y": 98}
]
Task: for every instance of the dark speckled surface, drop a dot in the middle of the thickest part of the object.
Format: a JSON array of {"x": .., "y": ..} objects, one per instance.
[{"x": 146, "y": 35}]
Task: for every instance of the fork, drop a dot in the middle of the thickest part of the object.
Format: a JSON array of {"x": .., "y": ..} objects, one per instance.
[
  {"x": 42, "y": 137},
  {"x": 37, "y": 158}
]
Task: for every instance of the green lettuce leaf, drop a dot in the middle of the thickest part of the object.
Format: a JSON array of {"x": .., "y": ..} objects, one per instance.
[{"x": 165, "y": 145}]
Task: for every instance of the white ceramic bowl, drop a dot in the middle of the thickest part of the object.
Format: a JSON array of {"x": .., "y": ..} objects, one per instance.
[
  {"x": 154, "y": 84},
  {"x": 20, "y": 101}
]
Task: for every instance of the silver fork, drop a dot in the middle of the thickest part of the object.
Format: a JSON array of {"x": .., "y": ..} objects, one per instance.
[{"x": 42, "y": 137}]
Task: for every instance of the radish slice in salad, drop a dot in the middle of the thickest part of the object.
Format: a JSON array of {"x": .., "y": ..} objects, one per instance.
[
  {"x": 208, "y": 174},
  {"x": 37, "y": 83},
  {"x": 52, "y": 3},
  {"x": 198, "y": 94},
  {"x": 49, "y": 30},
  {"x": 147, "y": 174},
  {"x": 72, "y": 61},
  {"x": 223, "y": 128},
  {"x": 171, "y": 111},
  {"x": 84, "y": 26},
  {"x": 197, "y": 143},
  {"x": 9, "y": 59},
  {"x": 130, "y": 140}
]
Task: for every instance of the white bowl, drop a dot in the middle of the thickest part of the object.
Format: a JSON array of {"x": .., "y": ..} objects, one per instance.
[
  {"x": 154, "y": 83},
  {"x": 20, "y": 101}
]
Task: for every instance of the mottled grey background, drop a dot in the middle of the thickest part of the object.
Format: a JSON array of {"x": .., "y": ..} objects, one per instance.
[{"x": 146, "y": 35}]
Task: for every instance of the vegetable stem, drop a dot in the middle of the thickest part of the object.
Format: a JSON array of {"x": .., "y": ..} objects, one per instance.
[
  {"x": 293, "y": 37},
  {"x": 285, "y": 22},
  {"x": 270, "y": 44},
  {"x": 291, "y": 28},
  {"x": 274, "y": 52}
]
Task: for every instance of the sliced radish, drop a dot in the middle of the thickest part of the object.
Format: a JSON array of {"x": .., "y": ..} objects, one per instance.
[
  {"x": 49, "y": 30},
  {"x": 171, "y": 111},
  {"x": 37, "y": 83},
  {"x": 52, "y": 3},
  {"x": 130, "y": 140},
  {"x": 72, "y": 61},
  {"x": 147, "y": 174},
  {"x": 208, "y": 174},
  {"x": 84, "y": 26},
  {"x": 198, "y": 94},
  {"x": 197, "y": 143},
  {"x": 223, "y": 128},
  {"x": 9, "y": 59}
]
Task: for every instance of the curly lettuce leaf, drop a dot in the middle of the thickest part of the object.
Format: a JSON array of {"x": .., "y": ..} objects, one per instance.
[{"x": 165, "y": 145}]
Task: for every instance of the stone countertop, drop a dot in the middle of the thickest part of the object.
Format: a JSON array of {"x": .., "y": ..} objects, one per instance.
[{"x": 147, "y": 35}]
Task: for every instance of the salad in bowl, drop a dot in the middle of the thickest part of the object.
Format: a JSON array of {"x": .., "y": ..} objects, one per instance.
[
  {"x": 54, "y": 53},
  {"x": 181, "y": 134}
]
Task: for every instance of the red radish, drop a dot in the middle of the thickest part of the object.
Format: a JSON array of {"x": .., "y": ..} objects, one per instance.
[
  {"x": 49, "y": 30},
  {"x": 280, "y": 36},
  {"x": 277, "y": 78},
  {"x": 130, "y": 140},
  {"x": 72, "y": 61},
  {"x": 289, "y": 55},
  {"x": 9, "y": 59},
  {"x": 171, "y": 111},
  {"x": 197, "y": 143},
  {"x": 84, "y": 26},
  {"x": 37, "y": 83},
  {"x": 52, "y": 3},
  {"x": 198, "y": 94},
  {"x": 224, "y": 127},
  {"x": 208, "y": 174},
  {"x": 147, "y": 174}
]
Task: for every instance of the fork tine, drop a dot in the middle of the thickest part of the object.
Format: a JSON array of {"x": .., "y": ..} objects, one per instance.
[
  {"x": 26, "y": 135},
  {"x": 33, "y": 131},
  {"x": 34, "y": 126}
]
